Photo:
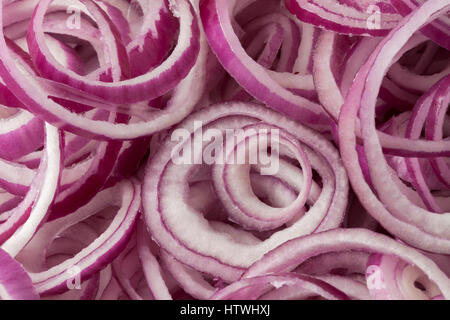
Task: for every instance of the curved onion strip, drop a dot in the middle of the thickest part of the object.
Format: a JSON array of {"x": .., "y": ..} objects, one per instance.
[
  {"x": 29, "y": 92},
  {"x": 436, "y": 30},
  {"x": 163, "y": 175},
  {"x": 45, "y": 196},
  {"x": 225, "y": 44},
  {"x": 150, "y": 266},
  {"x": 437, "y": 97},
  {"x": 332, "y": 99},
  {"x": 190, "y": 280},
  {"x": 418, "y": 225},
  {"x": 69, "y": 243},
  {"x": 36, "y": 201},
  {"x": 99, "y": 253},
  {"x": 20, "y": 134},
  {"x": 15, "y": 283},
  {"x": 125, "y": 267},
  {"x": 251, "y": 288},
  {"x": 295, "y": 252},
  {"x": 252, "y": 213},
  {"x": 145, "y": 87}
]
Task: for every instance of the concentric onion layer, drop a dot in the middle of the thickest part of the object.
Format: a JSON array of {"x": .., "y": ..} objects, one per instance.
[
  {"x": 166, "y": 192},
  {"x": 391, "y": 206}
]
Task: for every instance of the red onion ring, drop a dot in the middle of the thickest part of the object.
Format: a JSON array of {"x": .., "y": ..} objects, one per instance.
[
  {"x": 386, "y": 212},
  {"x": 199, "y": 149},
  {"x": 160, "y": 217}
]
